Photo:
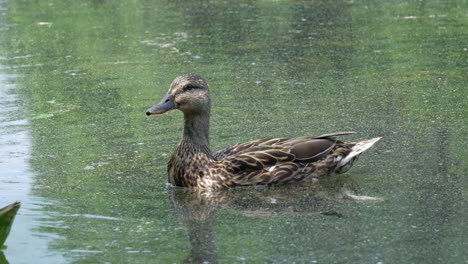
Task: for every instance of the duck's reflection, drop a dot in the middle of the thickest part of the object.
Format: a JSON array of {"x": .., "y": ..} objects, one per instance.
[{"x": 195, "y": 208}]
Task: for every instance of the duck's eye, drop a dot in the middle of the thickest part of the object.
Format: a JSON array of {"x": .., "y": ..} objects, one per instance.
[{"x": 189, "y": 87}]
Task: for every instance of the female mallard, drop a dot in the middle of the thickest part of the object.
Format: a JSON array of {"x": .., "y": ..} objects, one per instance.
[{"x": 258, "y": 162}]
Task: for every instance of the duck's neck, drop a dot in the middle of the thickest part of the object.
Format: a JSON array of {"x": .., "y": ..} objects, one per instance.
[{"x": 196, "y": 129}]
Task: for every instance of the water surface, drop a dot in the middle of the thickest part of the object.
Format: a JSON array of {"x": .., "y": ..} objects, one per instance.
[{"x": 90, "y": 169}]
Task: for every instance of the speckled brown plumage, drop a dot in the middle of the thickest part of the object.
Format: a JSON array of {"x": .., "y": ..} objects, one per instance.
[{"x": 258, "y": 162}]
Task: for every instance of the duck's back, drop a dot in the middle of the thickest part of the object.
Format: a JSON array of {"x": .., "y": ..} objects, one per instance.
[{"x": 281, "y": 160}]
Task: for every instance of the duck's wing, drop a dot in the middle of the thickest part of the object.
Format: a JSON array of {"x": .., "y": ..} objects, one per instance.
[
  {"x": 255, "y": 159},
  {"x": 304, "y": 148},
  {"x": 281, "y": 161},
  {"x": 242, "y": 147}
]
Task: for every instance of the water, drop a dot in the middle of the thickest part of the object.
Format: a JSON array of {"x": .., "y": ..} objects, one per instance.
[{"x": 89, "y": 168}]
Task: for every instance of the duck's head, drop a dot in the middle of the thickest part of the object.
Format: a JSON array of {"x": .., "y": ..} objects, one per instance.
[{"x": 188, "y": 93}]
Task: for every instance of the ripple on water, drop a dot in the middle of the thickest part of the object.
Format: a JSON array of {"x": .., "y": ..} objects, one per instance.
[{"x": 16, "y": 179}]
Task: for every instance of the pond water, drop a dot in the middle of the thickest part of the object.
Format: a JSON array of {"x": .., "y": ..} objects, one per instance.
[{"x": 90, "y": 170}]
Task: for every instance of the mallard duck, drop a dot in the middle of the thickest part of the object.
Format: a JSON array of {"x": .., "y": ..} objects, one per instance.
[{"x": 260, "y": 162}]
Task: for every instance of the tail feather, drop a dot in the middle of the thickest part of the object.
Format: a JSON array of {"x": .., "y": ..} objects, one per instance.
[{"x": 358, "y": 149}]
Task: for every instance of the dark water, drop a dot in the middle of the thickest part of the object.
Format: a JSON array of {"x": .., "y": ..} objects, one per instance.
[{"x": 89, "y": 168}]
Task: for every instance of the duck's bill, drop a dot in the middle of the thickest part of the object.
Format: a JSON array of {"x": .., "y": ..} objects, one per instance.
[{"x": 165, "y": 105}]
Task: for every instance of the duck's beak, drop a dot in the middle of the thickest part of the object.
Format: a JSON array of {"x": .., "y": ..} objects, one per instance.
[{"x": 165, "y": 105}]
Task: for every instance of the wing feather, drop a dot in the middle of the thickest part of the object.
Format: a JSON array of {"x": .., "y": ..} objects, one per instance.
[{"x": 302, "y": 149}]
